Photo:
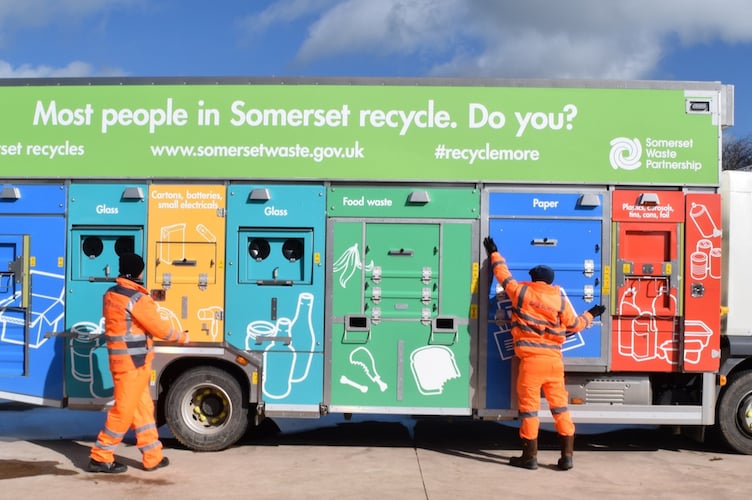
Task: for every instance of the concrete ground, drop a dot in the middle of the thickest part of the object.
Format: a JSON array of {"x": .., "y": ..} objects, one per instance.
[{"x": 369, "y": 459}]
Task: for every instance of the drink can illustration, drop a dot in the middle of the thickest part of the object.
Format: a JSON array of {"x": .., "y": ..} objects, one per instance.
[
  {"x": 699, "y": 265},
  {"x": 714, "y": 263}
]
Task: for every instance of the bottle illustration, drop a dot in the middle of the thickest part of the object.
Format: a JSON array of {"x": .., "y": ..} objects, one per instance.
[
  {"x": 644, "y": 338},
  {"x": 626, "y": 331},
  {"x": 303, "y": 336},
  {"x": 628, "y": 302},
  {"x": 279, "y": 362},
  {"x": 664, "y": 303}
]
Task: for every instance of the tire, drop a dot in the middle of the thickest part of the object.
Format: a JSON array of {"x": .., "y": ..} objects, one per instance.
[
  {"x": 205, "y": 409},
  {"x": 734, "y": 417}
]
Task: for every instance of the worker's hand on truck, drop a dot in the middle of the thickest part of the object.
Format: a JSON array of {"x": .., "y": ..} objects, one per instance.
[
  {"x": 489, "y": 245},
  {"x": 597, "y": 310}
]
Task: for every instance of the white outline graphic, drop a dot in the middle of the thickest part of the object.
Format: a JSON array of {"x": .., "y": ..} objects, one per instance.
[
  {"x": 302, "y": 342},
  {"x": 432, "y": 367},
  {"x": 625, "y": 153},
  {"x": 348, "y": 263},
  {"x": 362, "y": 357},
  {"x": 48, "y": 320}
]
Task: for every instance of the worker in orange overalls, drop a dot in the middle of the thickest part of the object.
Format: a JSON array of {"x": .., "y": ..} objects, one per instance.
[
  {"x": 131, "y": 320},
  {"x": 542, "y": 317}
]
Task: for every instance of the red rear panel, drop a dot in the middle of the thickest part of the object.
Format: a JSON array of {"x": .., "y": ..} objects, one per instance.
[{"x": 702, "y": 283}]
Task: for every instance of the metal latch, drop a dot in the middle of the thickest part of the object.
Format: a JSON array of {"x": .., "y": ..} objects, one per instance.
[
  {"x": 203, "y": 281},
  {"x": 375, "y": 314},
  {"x": 425, "y": 315},
  {"x": 376, "y": 274},
  {"x": 426, "y": 275},
  {"x": 589, "y": 268},
  {"x": 588, "y": 293},
  {"x": 376, "y": 294},
  {"x": 16, "y": 268},
  {"x": 166, "y": 280},
  {"x": 99, "y": 279},
  {"x": 425, "y": 295}
]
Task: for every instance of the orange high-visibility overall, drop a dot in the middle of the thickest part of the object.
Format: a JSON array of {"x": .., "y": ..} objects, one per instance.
[
  {"x": 131, "y": 320},
  {"x": 542, "y": 317}
]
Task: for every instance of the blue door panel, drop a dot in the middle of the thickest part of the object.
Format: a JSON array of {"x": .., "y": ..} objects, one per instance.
[
  {"x": 569, "y": 243},
  {"x": 557, "y": 230},
  {"x": 32, "y": 307}
]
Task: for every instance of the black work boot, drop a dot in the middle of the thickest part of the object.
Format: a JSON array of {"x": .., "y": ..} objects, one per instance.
[
  {"x": 108, "y": 467},
  {"x": 529, "y": 458},
  {"x": 162, "y": 463},
  {"x": 567, "y": 450}
]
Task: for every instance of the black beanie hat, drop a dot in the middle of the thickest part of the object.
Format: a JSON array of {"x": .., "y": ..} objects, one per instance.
[
  {"x": 542, "y": 273},
  {"x": 131, "y": 265}
]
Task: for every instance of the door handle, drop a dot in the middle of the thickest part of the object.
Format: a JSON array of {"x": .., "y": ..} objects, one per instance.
[
  {"x": 545, "y": 242},
  {"x": 401, "y": 253}
]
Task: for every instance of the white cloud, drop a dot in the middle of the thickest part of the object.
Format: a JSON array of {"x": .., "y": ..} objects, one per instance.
[
  {"x": 73, "y": 69},
  {"x": 513, "y": 38},
  {"x": 385, "y": 27},
  {"x": 286, "y": 11}
]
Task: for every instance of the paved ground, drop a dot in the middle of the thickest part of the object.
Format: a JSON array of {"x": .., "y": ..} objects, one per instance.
[{"x": 427, "y": 459}]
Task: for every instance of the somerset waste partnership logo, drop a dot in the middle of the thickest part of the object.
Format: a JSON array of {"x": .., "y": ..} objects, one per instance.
[
  {"x": 626, "y": 154},
  {"x": 653, "y": 154}
]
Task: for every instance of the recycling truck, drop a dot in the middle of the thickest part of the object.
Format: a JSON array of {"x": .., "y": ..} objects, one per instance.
[{"x": 321, "y": 242}]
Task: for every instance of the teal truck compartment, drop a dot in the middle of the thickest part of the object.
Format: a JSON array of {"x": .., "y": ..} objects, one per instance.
[
  {"x": 104, "y": 222},
  {"x": 275, "y": 289}
]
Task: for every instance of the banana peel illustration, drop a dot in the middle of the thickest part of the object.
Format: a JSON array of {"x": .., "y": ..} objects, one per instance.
[{"x": 348, "y": 263}]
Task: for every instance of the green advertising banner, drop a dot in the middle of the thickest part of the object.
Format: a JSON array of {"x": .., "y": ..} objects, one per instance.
[{"x": 357, "y": 132}]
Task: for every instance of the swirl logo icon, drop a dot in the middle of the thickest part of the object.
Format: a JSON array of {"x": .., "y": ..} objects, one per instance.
[{"x": 625, "y": 153}]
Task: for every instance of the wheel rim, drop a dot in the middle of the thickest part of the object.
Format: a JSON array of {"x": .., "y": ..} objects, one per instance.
[
  {"x": 206, "y": 408},
  {"x": 744, "y": 415}
]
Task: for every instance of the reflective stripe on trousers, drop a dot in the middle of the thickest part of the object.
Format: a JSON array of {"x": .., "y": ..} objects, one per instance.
[
  {"x": 546, "y": 373},
  {"x": 133, "y": 409}
]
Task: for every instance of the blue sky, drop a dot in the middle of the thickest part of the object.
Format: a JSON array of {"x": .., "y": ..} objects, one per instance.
[{"x": 599, "y": 39}]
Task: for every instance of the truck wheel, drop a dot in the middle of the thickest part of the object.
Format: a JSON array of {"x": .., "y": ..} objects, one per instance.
[
  {"x": 734, "y": 416},
  {"x": 205, "y": 409}
]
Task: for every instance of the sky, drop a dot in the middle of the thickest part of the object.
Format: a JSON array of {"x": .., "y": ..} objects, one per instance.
[{"x": 687, "y": 40}]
